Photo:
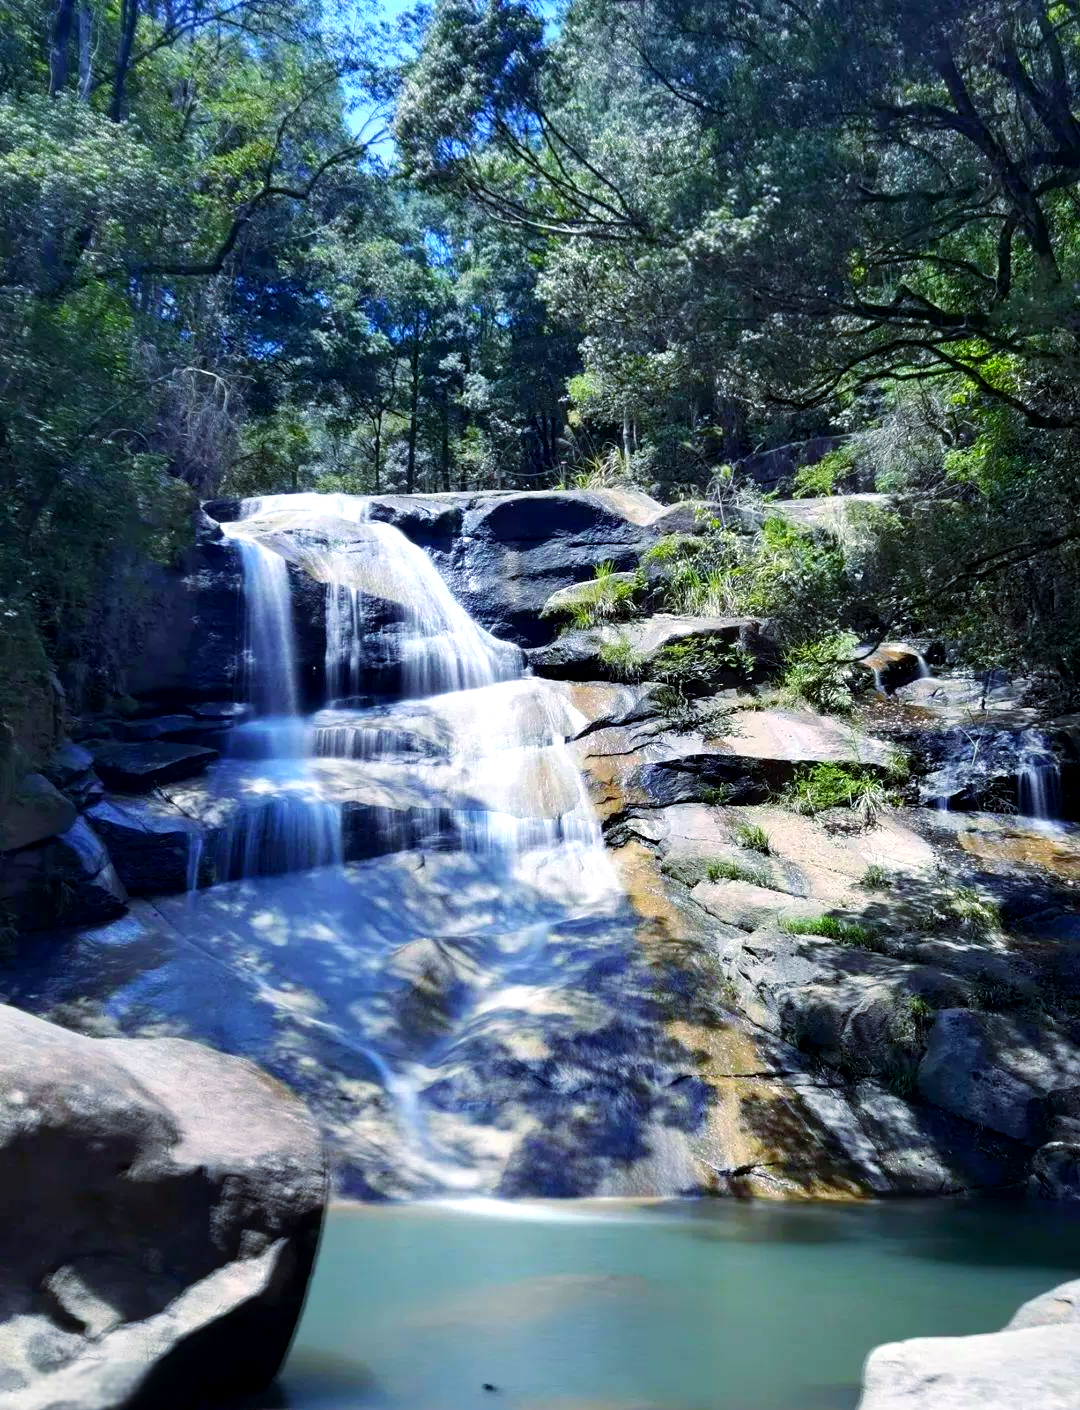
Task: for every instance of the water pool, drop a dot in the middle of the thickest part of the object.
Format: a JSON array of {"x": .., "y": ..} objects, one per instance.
[{"x": 680, "y": 1305}]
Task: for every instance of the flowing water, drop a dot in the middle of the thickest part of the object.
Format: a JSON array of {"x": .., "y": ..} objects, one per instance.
[
  {"x": 681, "y": 1306},
  {"x": 410, "y": 880}
]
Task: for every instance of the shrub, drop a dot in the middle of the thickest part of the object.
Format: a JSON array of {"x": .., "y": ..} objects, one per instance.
[
  {"x": 698, "y": 665},
  {"x": 821, "y": 673},
  {"x": 845, "y": 932},
  {"x": 817, "y": 787},
  {"x": 753, "y": 838},
  {"x": 826, "y": 476}
]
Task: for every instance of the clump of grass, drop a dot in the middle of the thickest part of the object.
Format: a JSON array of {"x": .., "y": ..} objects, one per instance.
[
  {"x": 671, "y": 547},
  {"x": 817, "y": 787},
  {"x": 875, "y": 878},
  {"x": 976, "y": 914},
  {"x": 992, "y": 994},
  {"x": 610, "y": 597},
  {"x": 623, "y": 662},
  {"x": 845, "y": 932},
  {"x": 753, "y": 838},
  {"x": 723, "y": 869},
  {"x": 716, "y": 795}
]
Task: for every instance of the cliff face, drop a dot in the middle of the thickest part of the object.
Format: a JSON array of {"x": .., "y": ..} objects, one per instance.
[{"x": 850, "y": 996}]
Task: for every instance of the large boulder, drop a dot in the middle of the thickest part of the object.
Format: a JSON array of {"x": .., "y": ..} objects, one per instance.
[
  {"x": 66, "y": 880},
  {"x": 162, "y": 1209},
  {"x": 1034, "y": 1362},
  {"x": 154, "y": 847},
  {"x": 997, "y": 1071},
  {"x": 33, "y": 811}
]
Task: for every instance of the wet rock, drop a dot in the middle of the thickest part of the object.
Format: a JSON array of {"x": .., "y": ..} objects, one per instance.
[
  {"x": 223, "y": 711},
  {"x": 136, "y": 768},
  {"x": 158, "y": 1256},
  {"x": 67, "y": 880},
  {"x": 588, "y": 655},
  {"x": 170, "y": 727},
  {"x": 151, "y": 844},
  {"x": 33, "y": 811},
  {"x": 71, "y": 769},
  {"x": 997, "y": 1071},
  {"x": 893, "y": 665},
  {"x": 1034, "y": 1362}
]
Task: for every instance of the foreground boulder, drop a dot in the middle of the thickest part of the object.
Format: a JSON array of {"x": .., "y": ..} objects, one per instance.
[
  {"x": 1034, "y": 1362},
  {"x": 162, "y": 1210}
]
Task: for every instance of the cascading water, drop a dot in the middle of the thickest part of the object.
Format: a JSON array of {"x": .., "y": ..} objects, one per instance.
[
  {"x": 1038, "y": 779},
  {"x": 432, "y": 741}
]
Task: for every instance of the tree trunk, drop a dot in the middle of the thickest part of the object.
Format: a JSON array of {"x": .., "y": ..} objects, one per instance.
[
  {"x": 444, "y": 453},
  {"x": 377, "y": 424},
  {"x": 86, "y": 45},
  {"x": 626, "y": 438},
  {"x": 129, "y": 15},
  {"x": 414, "y": 409},
  {"x": 60, "y": 46}
]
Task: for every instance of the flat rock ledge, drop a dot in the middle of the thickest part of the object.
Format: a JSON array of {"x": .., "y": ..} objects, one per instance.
[
  {"x": 162, "y": 1206},
  {"x": 1034, "y": 1361}
]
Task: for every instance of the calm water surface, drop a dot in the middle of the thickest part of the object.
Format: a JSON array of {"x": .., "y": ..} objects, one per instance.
[{"x": 677, "y": 1306}]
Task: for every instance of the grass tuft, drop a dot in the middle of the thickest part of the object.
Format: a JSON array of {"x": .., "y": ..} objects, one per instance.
[
  {"x": 845, "y": 932},
  {"x": 753, "y": 838}
]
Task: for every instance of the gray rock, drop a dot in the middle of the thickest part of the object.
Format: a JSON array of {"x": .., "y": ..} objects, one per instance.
[
  {"x": 1038, "y": 1368},
  {"x": 1060, "y": 1305},
  {"x": 1055, "y": 1171},
  {"x": 584, "y": 655},
  {"x": 1034, "y": 1361},
  {"x": 160, "y": 1253},
  {"x": 171, "y": 727},
  {"x": 34, "y": 811},
  {"x": 136, "y": 768},
  {"x": 151, "y": 843},
  {"x": 67, "y": 880},
  {"x": 996, "y": 1071},
  {"x": 71, "y": 769}
]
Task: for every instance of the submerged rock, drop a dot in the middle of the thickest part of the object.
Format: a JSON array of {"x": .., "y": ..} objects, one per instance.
[{"x": 162, "y": 1208}]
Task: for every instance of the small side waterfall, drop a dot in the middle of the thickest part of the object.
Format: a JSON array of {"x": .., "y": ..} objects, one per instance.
[{"x": 1038, "y": 779}]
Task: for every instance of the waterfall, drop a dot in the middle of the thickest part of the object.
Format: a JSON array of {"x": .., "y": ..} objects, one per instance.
[
  {"x": 1039, "y": 793},
  {"x": 422, "y": 703},
  {"x": 433, "y": 642},
  {"x": 269, "y": 654}
]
